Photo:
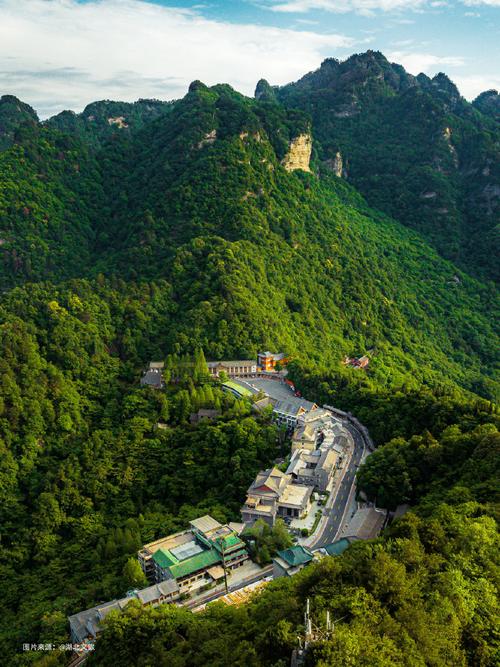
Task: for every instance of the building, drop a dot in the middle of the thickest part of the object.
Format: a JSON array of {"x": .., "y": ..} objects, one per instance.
[
  {"x": 203, "y": 413},
  {"x": 153, "y": 377},
  {"x": 156, "y": 365},
  {"x": 314, "y": 468},
  {"x": 273, "y": 495},
  {"x": 267, "y": 360},
  {"x": 357, "y": 362},
  {"x": 334, "y": 548},
  {"x": 240, "y": 389},
  {"x": 366, "y": 524},
  {"x": 194, "y": 557},
  {"x": 287, "y": 412},
  {"x": 244, "y": 368},
  {"x": 305, "y": 436},
  {"x": 288, "y": 562},
  {"x": 86, "y": 625},
  {"x": 311, "y": 427}
]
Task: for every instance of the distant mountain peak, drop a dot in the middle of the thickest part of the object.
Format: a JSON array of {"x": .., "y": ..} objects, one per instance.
[
  {"x": 264, "y": 91},
  {"x": 488, "y": 103},
  {"x": 196, "y": 85},
  {"x": 13, "y": 113}
]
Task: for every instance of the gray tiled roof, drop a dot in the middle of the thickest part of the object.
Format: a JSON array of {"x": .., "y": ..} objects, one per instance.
[
  {"x": 156, "y": 591},
  {"x": 152, "y": 378},
  {"x": 293, "y": 405}
]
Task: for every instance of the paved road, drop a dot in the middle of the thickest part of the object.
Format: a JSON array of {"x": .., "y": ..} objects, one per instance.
[{"x": 339, "y": 513}]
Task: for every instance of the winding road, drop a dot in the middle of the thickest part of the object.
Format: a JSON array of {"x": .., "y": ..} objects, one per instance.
[{"x": 341, "y": 503}]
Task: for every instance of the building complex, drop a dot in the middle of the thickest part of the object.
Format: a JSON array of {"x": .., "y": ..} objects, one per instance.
[
  {"x": 174, "y": 565},
  {"x": 273, "y": 495},
  {"x": 86, "y": 625},
  {"x": 194, "y": 557},
  {"x": 319, "y": 441}
]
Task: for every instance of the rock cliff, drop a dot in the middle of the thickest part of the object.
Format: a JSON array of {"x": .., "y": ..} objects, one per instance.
[
  {"x": 336, "y": 165},
  {"x": 299, "y": 153}
]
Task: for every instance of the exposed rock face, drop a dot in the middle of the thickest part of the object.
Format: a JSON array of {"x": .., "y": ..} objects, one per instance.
[
  {"x": 119, "y": 121},
  {"x": 336, "y": 165},
  {"x": 208, "y": 139},
  {"x": 451, "y": 147},
  {"x": 299, "y": 153}
]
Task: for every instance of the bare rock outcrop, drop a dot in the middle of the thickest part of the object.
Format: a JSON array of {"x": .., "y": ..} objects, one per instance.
[
  {"x": 208, "y": 139},
  {"x": 119, "y": 121},
  {"x": 336, "y": 165},
  {"x": 299, "y": 153}
]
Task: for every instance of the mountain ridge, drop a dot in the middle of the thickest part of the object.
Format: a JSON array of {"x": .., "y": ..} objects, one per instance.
[
  {"x": 217, "y": 229},
  {"x": 413, "y": 146},
  {"x": 199, "y": 198}
]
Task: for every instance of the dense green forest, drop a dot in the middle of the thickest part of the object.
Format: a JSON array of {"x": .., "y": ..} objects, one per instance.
[
  {"x": 425, "y": 593},
  {"x": 413, "y": 146},
  {"x": 246, "y": 254},
  {"x": 175, "y": 232}
]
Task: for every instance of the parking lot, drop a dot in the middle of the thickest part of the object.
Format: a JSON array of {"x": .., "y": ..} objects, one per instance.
[{"x": 277, "y": 390}]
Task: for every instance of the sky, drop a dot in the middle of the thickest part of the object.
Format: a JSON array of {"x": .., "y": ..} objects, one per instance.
[{"x": 64, "y": 54}]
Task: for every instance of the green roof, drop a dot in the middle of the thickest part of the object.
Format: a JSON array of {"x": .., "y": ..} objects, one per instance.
[
  {"x": 239, "y": 388},
  {"x": 197, "y": 562},
  {"x": 296, "y": 555},
  {"x": 164, "y": 558},
  {"x": 230, "y": 542},
  {"x": 336, "y": 548}
]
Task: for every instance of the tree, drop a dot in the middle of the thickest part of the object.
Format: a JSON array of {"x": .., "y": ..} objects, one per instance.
[{"x": 133, "y": 575}]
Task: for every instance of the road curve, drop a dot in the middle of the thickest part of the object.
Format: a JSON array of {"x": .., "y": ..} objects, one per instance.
[{"x": 338, "y": 512}]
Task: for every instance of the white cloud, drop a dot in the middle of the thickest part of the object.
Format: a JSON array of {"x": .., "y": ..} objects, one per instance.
[
  {"x": 428, "y": 63},
  {"x": 471, "y": 85},
  {"x": 345, "y": 6},
  {"x": 404, "y": 42},
  {"x": 367, "y": 7},
  {"x": 477, "y": 3},
  {"x": 58, "y": 54}
]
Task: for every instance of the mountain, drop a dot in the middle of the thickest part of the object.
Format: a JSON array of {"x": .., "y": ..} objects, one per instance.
[
  {"x": 488, "y": 103},
  {"x": 50, "y": 195},
  {"x": 105, "y": 119},
  {"x": 413, "y": 146},
  {"x": 216, "y": 226},
  {"x": 254, "y": 252},
  {"x": 13, "y": 113}
]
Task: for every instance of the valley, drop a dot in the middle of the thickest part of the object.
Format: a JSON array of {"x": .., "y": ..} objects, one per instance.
[{"x": 346, "y": 221}]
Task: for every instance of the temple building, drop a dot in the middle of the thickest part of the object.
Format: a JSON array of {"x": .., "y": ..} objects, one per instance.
[{"x": 273, "y": 495}]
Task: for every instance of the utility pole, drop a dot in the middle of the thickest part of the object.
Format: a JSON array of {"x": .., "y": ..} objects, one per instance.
[{"x": 223, "y": 553}]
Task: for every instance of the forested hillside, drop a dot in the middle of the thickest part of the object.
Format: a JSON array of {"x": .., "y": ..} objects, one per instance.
[
  {"x": 413, "y": 146},
  {"x": 168, "y": 230},
  {"x": 253, "y": 255}
]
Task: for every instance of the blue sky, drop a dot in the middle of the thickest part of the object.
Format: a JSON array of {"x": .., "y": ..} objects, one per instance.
[{"x": 59, "y": 54}]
